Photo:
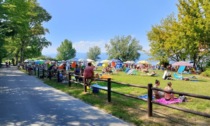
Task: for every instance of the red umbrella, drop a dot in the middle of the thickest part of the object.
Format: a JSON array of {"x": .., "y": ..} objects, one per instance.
[{"x": 182, "y": 63}]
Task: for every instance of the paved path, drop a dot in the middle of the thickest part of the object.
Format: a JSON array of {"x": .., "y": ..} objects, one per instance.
[{"x": 25, "y": 100}]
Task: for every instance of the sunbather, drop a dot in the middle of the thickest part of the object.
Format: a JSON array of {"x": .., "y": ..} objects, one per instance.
[
  {"x": 168, "y": 96},
  {"x": 156, "y": 93}
]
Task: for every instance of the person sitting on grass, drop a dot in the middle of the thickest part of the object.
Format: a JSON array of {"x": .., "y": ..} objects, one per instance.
[
  {"x": 88, "y": 74},
  {"x": 152, "y": 73},
  {"x": 145, "y": 70},
  {"x": 156, "y": 93},
  {"x": 168, "y": 96}
]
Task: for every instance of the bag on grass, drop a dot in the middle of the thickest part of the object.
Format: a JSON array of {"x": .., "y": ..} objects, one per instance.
[{"x": 183, "y": 98}]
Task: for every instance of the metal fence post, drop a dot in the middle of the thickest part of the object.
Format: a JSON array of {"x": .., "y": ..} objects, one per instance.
[
  {"x": 149, "y": 101},
  {"x": 38, "y": 72},
  {"x": 43, "y": 72},
  {"x": 69, "y": 79},
  {"x": 85, "y": 84},
  {"x": 49, "y": 74},
  {"x": 109, "y": 89},
  {"x": 58, "y": 79},
  {"x": 34, "y": 71}
]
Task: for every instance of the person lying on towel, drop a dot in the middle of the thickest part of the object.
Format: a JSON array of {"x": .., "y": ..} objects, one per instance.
[{"x": 168, "y": 96}]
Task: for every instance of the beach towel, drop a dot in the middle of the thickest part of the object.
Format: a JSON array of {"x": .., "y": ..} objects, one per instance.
[
  {"x": 145, "y": 97},
  {"x": 163, "y": 101}
]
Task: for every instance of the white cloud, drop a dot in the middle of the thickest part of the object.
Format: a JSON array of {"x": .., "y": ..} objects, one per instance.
[{"x": 83, "y": 46}]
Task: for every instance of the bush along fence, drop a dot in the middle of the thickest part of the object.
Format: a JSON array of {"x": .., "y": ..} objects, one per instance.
[{"x": 41, "y": 73}]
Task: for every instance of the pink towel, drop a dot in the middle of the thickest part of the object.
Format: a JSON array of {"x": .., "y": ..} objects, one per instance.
[{"x": 163, "y": 101}]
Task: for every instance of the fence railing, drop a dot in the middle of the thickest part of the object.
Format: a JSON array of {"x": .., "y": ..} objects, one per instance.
[
  {"x": 149, "y": 101},
  {"x": 149, "y": 88}
]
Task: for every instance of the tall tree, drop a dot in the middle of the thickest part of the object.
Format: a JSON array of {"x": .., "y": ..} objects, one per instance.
[
  {"x": 123, "y": 48},
  {"x": 186, "y": 37},
  {"x": 66, "y": 51},
  {"x": 166, "y": 42},
  {"x": 94, "y": 53},
  {"x": 194, "y": 18},
  {"x": 26, "y": 18}
]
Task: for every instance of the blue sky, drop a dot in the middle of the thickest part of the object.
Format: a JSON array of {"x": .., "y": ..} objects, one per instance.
[{"x": 94, "y": 22}]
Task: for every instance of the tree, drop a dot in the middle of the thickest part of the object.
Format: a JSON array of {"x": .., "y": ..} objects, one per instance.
[
  {"x": 166, "y": 41},
  {"x": 194, "y": 18},
  {"x": 184, "y": 38},
  {"x": 94, "y": 52},
  {"x": 24, "y": 18},
  {"x": 123, "y": 48},
  {"x": 65, "y": 50}
]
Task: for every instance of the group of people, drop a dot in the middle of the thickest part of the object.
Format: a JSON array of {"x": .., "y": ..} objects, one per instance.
[{"x": 167, "y": 95}]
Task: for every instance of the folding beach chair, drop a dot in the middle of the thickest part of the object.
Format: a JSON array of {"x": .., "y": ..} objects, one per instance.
[
  {"x": 181, "y": 69},
  {"x": 178, "y": 76}
]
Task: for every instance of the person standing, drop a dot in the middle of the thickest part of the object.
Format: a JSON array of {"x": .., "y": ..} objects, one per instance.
[
  {"x": 77, "y": 72},
  {"x": 88, "y": 75}
]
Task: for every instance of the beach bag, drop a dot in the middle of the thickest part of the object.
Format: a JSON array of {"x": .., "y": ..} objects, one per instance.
[{"x": 183, "y": 98}]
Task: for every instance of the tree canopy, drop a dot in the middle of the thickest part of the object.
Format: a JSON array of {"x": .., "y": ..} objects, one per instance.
[
  {"x": 123, "y": 48},
  {"x": 23, "y": 31},
  {"x": 65, "y": 50},
  {"x": 185, "y": 37},
  {"x": 94, "y": 53}
]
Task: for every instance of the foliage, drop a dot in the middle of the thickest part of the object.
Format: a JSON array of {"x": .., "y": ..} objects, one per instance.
[
  {"x": 123, "y": 48},
  {"x": 185, "y": 37},
  {"x": 206, "y": 73},
  {"x": 94, "y": 53},
  {"x": 24, "y": 20},
  {"x": 65, "y": 50}
]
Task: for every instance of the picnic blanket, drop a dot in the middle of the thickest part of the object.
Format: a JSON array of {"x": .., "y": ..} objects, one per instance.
[{"x": 163, "y": 101}]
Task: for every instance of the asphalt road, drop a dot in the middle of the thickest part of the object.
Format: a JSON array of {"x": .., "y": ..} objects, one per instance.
[{"x": 25, "y": 100}]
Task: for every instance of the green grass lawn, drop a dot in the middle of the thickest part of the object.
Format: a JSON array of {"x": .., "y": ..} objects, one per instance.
[{"x": 135, "y": 111}]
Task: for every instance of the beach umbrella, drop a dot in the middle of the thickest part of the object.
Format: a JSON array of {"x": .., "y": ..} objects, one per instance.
[
  {"x": 81, "y": 60},
  {"x": 26, "y": 61},
  {"x": 105, "y": 61},
  {"x": 182, "y": 63},
  {"x": 129, "y": 62},
  {"x": 73, "y": 60},
  {"x": 47, "y": 61},
  {"x": 90, "y": 60},
  {"x": 143, "y": 62}
]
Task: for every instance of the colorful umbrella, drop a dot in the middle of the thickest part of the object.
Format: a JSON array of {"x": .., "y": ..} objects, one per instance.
[
  {"x": 143, "y": 62},
  {"x": 182, "y": 63}
]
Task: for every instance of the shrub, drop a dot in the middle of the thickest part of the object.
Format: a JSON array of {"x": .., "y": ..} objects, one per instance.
[{"x": 206, "y": 72}]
